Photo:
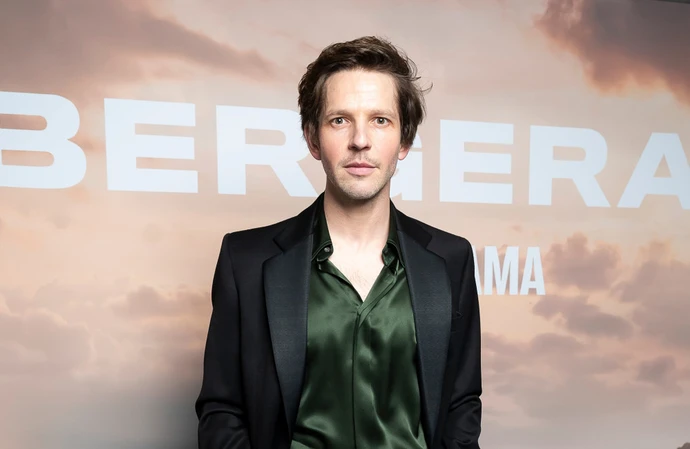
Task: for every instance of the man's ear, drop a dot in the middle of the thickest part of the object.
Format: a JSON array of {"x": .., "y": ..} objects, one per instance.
[
  {"x": 404, "y": 150},
  {"x": 312, "y": 142}
]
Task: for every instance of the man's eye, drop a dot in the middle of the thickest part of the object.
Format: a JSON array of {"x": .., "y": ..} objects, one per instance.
[
  {"x": 338, "y": 121},
  {"x": 381, "y": 120}
]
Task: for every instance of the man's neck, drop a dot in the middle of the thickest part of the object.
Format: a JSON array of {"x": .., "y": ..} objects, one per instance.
[{"x": 359, "y": 225}]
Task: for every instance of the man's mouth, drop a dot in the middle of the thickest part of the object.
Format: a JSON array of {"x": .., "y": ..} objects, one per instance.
[{"x": 359, "y": 168}]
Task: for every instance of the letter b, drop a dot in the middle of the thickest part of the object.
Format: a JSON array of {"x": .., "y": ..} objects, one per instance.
[{"x": 62, "y": 119}]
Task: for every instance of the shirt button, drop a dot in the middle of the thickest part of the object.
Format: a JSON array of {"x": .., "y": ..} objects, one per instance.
[{"x": 327, "y": 249}]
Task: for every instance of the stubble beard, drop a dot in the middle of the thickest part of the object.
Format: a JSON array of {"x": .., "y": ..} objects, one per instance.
[{"x": 358, "y": 190}]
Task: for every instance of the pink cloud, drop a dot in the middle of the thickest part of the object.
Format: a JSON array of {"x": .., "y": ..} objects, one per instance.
[
  {"x": 624, "y": 43},
  {"x": 79, "y": 47},
  {"x": 575, "y": 264},
  {"x": 662, "y": 372},
  {"x": 658, "y": 288},
  {"x": 40, "y": 341},
  {"x": 150, "y": 302},
  {"x": 580, "y": 317},
  {"x": 559, "y": 385}
]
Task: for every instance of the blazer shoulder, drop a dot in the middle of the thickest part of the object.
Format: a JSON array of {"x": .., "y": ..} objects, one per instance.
[
  {"x": 456, "y": 250},
  {"x": 250, "y": 239},
  {"x": 443, "y": 238}
]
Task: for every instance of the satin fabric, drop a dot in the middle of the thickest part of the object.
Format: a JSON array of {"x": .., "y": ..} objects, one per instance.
[{"x": 360, "y": 388}]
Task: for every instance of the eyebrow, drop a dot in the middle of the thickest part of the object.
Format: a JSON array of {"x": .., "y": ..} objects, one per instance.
[{"x": 376, "y": 112}]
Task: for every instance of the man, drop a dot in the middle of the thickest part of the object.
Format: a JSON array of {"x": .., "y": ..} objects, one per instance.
[{"x": 350, "y": 324}]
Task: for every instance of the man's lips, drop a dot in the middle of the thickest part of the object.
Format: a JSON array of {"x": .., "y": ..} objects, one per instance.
[{"x": 359, "y": 168}]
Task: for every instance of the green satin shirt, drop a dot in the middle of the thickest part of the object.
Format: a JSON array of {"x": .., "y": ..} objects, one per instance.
[{"x": 360, "y": 388}]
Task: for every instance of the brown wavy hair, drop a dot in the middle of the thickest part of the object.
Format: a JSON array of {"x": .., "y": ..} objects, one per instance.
[{"x": 367, "y": 53}]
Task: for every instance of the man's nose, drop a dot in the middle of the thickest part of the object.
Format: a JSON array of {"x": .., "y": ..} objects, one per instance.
[{"x": 360, "y": 139}]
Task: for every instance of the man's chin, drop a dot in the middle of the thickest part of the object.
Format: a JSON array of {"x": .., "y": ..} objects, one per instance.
[{"x": 359, "y": 193}]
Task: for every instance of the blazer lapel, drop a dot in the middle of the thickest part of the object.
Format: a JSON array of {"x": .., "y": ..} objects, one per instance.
[
  {"x": 430, "y": 293},
  {"x": 286, "y": 289}
]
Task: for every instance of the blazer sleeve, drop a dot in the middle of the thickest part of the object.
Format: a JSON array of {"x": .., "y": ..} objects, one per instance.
[
  {"x": 463, "y": 426},
  {"x": 220, "y": 404}
]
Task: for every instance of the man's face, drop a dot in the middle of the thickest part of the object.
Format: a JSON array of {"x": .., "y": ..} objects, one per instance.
[{"x": 359, "y": 134}]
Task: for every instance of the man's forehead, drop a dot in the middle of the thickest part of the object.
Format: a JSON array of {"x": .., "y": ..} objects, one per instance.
[
  {"x": 357, "y": 91},
  {"x": 362, "y": 80}
]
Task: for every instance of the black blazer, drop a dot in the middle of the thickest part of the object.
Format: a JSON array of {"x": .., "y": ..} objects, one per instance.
[{"x": 256, "y": 345}]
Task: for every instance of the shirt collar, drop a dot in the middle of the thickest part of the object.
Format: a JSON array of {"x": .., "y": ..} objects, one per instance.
[{"x": 323, "y": 247}]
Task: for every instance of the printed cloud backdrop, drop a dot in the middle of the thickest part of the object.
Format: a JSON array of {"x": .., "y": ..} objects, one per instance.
[{"x": 104, "y": 293}]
